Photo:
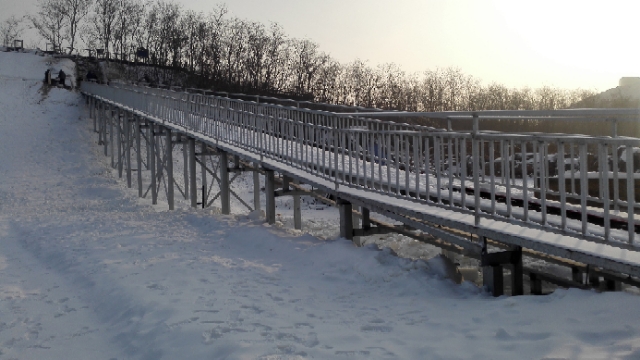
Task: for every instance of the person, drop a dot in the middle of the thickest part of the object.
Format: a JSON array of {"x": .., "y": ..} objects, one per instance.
[
  {"x": 47, "y": 76},
  {"x": 62, "y": 77}
]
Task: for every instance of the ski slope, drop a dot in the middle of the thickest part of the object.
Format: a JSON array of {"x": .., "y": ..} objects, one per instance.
[{"x": 89, "y": 271}]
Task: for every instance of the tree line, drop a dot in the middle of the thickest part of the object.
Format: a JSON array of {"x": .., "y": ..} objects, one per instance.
[{"x": 227, "y": 53}]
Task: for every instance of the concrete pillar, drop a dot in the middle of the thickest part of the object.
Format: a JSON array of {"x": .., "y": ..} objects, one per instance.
[
  {"x": 192, "y": 173},
  {"x": 270, "y": 206},
  {"x": 225, "y": 191},
  {"x": 346, "y": 219},
  {"x": 169, "y": 167}
]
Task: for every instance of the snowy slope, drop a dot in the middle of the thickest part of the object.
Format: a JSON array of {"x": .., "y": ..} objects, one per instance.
[{"x": 88, "y": 271}]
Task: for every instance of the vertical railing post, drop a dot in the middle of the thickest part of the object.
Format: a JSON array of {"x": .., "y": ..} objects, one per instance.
[
  {"x": 192, "y": 173},
  {"x": 476, "y": 169}
]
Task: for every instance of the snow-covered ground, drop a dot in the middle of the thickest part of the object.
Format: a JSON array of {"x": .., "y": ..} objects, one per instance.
[{"x": 89, "y": 271}]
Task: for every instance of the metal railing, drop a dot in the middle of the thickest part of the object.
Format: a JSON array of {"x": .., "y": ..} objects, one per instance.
[{"x": 564, "y": 183}]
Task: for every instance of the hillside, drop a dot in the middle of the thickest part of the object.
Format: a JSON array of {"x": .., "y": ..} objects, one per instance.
[{"x": 89, "y": 271}]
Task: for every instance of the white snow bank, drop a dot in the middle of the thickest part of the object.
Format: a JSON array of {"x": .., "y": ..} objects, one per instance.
[{"x": 90, "y": 272}]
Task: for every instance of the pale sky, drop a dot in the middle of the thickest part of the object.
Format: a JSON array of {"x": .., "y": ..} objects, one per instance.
[{"x": 568, "y": 44}]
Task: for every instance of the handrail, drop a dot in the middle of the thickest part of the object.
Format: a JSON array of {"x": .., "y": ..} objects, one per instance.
[{"x": 558, "y": 182}]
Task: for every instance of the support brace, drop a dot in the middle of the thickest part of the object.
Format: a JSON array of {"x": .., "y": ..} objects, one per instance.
[{"x": 492, "y": 264}]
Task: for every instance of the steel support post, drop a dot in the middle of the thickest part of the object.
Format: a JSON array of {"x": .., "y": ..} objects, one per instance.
[
  {"x": 346, "y": 219},
  {"x": 256, "y": 187},
  {"x": 225, "y": 191},
  {"x": 492, "y": 266},
  {"x": 612, "y": 285},
  {"x": 535, "y": 284},
  {"x": 169, "y": 167},
  {"x": 270, "y": 192},
  {"x": 152, "y": 163},
  {"x": 127, "y": 150},
  {"x": 139, "y": 155},
  {"x": 517, "y": 283},
  {"x": 192, "y": 173},
  {"x": 148, "y": 143},
  {"x": 119, "y": 124},
  {"x": 203, "y": 169},
  {"x": 110, "y": 112},
  {"x": 576, "y": 275},
  {"x": 105, "y": 112},
  {"x": 185, "y": 167},
  {"x": 297, "y": 214},
  {"x": 493, "y": 279},
  {"x": 92, "y": 113}
]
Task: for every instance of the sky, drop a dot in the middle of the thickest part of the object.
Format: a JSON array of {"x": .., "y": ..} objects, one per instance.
[{"x": 567, "y": 44}]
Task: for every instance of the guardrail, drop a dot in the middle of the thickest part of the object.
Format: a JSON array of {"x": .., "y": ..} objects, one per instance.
[{"x": 565, "y": 183}]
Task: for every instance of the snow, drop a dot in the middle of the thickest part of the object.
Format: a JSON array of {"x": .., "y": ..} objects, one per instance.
[{"x": 89, "y": 271}]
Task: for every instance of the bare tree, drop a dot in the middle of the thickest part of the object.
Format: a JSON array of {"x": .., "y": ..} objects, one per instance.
[
  {"x": 74, "y": 11},
  {"x": 50, "y": 21},
  {"x": 105, "y": 13},
  {"x": 10, "y": 29}
]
